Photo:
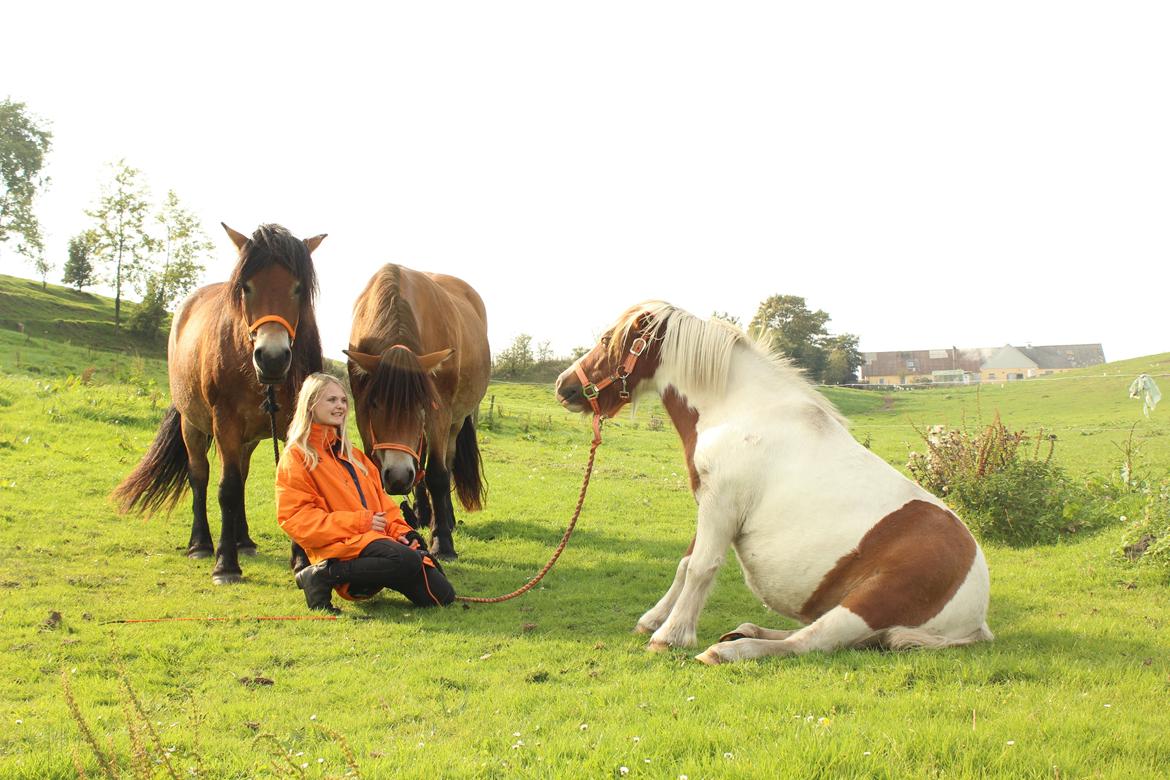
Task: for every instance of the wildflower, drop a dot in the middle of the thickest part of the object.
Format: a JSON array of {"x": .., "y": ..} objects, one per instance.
[
  {"x": 824, "y": 721},
  {"x": 1011, "y": 742},
  {"x": 637, "y": 739},
  {"x": 625, "y": 770},
  {"x": 584, "y": 726},
  {"x": 313, "y": 717},
  {"x": 690, "y": 698},
  {"x": 729, "y": 756},
  {"x": 485, "y": 656}
]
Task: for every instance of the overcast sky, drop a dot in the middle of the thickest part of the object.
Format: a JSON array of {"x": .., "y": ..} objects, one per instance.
[{"x": 930, "y": 174}]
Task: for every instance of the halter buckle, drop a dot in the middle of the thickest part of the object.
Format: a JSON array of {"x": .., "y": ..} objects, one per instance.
[
  {"x": 638, "y": 347},
  {"x": 590, "y": 391}
]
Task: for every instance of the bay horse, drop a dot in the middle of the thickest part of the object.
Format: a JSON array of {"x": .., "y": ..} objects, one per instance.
[
  {"x": 228, "y": 342},
  {"x": 827, "y": 533},
  {"x": 419, "y": 365}
]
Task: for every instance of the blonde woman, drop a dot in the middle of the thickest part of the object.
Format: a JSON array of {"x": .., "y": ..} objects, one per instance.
[{"x": 329, "y": 500}]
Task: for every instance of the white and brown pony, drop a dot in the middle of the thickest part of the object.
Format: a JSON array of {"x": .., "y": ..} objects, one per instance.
[
  {"x": 827, "y": 532},
  {"x": 419, "y": 364}
]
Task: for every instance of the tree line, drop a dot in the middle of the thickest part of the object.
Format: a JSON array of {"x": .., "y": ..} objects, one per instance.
[
  {"x": 782, "y": 322},
  {"x": 158, "y": 250}
]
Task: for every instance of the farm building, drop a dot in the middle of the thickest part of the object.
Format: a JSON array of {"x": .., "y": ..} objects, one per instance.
[{"x": 982, "y": 364}]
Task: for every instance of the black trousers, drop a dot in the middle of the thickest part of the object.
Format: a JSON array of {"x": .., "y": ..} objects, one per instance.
[{"x": 385, "y": 563}]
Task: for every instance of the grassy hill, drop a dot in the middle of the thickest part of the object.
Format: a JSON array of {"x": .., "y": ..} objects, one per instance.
[
  {"x": 553, "y": 684},
  {"x": 57, "y": 331}
]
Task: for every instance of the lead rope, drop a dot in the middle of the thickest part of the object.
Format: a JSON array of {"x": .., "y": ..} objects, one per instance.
[
  {"x": 564, "y": 539},
  {"x": 272, "y": 408}
]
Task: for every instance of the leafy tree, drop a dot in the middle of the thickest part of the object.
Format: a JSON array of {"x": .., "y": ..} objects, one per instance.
[
  {"x": 786, "y": 322},
  {"x": 79, "y": 271},
  {"x": 185, "y": 246},
  {"x": 577, "y": 352},
  {"x": 148, "y": 317},
  {"x": 516, "y": 358},
  {"x": 544, "y": 352},
  {"x": 793, "y": 330},
  {"x": 23, "y": 145},
  {"x": 842, "y": 359},
  {"x": 122, "y": 238},
  {"x": 43, "y": 265}
]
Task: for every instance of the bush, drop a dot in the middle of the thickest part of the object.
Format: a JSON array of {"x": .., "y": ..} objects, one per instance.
[
  {"x": 1146, "y": 538},
  {"x": 1005, "y": 491}
]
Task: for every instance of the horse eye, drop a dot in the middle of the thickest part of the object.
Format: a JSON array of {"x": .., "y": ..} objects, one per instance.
[
  {"x": 247, "y": 288},
  {"x": 605, "y": 340},
  {"x": 296, "y": 289}
]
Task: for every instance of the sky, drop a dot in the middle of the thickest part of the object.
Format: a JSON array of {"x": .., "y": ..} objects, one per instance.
[{"x": 930, "y": 174}]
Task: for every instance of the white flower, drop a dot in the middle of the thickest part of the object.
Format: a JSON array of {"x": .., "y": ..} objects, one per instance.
[
  {"x": 637, "y": 739},
  {"x": 690, "y": 698},
  {"x": 584, "y": 726},
  {"x": 625, "y": 770},
  {"x": 729, "y": 756},
  {"x": 1011, "y": 742}
]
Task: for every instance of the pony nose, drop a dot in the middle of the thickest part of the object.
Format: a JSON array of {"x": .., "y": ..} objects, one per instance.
[{"x": 398, "y": 479}]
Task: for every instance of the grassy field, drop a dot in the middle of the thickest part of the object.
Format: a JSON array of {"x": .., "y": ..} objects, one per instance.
[{"x": 553, "y": 684}]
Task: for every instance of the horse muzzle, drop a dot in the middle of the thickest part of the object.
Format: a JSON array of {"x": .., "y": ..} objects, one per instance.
[
  {"x": 398, "y": 478},
  {"x": 271, "y": 365}
]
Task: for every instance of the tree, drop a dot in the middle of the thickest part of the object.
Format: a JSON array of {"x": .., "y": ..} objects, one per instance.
[
  {"x": 516, "y": 358},
  {"x": 78, "y": 270},
  {"x": 42, "y": 265},
  {"x": 23, "y": 145},
  {"x": 842, "y": 359},
  {"x": 786, "y": 322},
  {"x": 722, "y": 315},
  {"x": 122, "y": 239},
  {"x": 185, "y": 246}
]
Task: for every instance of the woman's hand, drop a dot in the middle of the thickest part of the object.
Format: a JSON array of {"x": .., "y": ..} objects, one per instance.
[{"x": 379, "y": 521}]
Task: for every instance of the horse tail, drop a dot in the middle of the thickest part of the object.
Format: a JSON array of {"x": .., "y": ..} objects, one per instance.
[
  {"x": 160, "y": 478},
  {"x": 903, "y": 638},
  {"x": 467, "y": 470}
]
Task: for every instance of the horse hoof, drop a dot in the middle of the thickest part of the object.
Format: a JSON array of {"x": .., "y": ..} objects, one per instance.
[
  {"x": 446, "y": 556},
  {"x": 731, "y": 636},
  {"x": 642, "y": 628},
  {"x": 195, "y": 553},
  {"x": 654, "y": 646},
  {"x": 227, "y": 578},
  {"x": 709, "y": 657},
  {"x": 249, "y": 550}
]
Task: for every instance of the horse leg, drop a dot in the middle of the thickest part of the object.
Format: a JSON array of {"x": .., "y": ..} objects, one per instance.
[
  {"x": 422, "y": 505},
  {"x": 752, "y": 631},
  {"x": 244, "y": 541},
  {"x": 837, "y": 628},
  {"x": 198, "y": 473},
  {"x": 231, "y": 507},
  {"x": 656, "y": 615},
  {"x": 714, "y": 535},
  {"x": 443, "y": 522}
]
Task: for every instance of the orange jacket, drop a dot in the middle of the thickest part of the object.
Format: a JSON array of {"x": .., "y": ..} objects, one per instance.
[{"x": 321, "y": 510}]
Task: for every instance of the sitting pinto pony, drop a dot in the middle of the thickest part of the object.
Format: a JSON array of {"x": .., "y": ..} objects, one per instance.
[{"x": 827, "y": 533}]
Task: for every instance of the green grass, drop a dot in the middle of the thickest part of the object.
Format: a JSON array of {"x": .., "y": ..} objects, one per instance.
[{"x": 552, "y": 684}]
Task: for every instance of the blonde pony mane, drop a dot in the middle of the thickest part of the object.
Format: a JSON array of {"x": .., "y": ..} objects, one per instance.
[{"x": 700, "y": 350}]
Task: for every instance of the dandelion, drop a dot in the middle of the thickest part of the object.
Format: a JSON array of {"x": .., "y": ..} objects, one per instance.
[{"x": 824, "y": 722}]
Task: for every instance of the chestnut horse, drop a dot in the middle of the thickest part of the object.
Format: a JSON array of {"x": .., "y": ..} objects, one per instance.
[
  {"x": 827, "y": 533},
  {"x": 228, "y": 341},
  {"x": 419, "y": 365}
]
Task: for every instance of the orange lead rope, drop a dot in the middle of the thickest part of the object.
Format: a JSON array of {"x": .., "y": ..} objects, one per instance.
[{"x": 564, "y": 539}]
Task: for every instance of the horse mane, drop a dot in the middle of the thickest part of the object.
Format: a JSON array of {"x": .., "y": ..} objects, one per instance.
[
  {"x": 700, "y": 350},
  {"x": 399, "y": 381},
  {"x": 272, "y": 243}
]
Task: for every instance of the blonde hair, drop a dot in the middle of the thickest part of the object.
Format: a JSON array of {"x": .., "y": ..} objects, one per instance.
[{"x": 302, "y": 422}]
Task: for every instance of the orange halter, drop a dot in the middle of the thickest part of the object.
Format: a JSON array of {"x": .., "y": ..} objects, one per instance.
[
  {"x": 292, "y": 332},
  {"x": 420, "y": 472},
  {"x": 591, "y": 390}
]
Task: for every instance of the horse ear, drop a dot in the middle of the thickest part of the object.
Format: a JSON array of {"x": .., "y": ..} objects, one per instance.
[
  {"x": 431, "y": 360},
  {"x": 239, "y": 239},
  {"x": 367, "y": 363},
  {"x": 314, "y": 242}
]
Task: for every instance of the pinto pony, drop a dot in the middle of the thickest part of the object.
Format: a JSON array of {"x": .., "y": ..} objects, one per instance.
[
  {"x": 228, "y": 341},
  {"x": 827, "y": 533},
  {"x": 419, "y": 365}
]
